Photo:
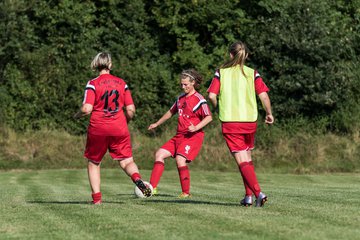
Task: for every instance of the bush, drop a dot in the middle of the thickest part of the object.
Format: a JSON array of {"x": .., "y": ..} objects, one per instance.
[{"x": 306, "y": 51}]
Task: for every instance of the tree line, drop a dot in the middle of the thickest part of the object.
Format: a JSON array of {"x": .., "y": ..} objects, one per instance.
[{"x": 306, "y": 51}]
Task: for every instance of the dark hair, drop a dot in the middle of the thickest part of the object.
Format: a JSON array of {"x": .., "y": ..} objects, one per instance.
[
  {"x": 239, "y": 52},
  {"x": 193, "y": 75}
]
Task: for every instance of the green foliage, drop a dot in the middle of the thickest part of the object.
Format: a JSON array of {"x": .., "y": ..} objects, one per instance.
[
  {"x": 311, "y": 58},
  {"x": 196, "y": 33},
  {"x": 307, "y": 53},
  {"x": 127, "y": 35},
  {"x": 50, "y": 56}
]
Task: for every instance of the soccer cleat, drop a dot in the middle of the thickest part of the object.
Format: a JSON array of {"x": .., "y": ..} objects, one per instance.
[
  {"x": 143, "y": 188},
  {"x": 155, "y": 191},
  {"x": 247, "y": 201},
  {"x": 184, "y": 195},
  {"x": 261, "y": 199},
  {"x": 96, "y": 202}
]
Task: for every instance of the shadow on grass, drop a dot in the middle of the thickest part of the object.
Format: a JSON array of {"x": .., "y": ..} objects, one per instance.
[
  {"x": 189, "y": 201},
  {"x": 69, "y": 202},
  {"x": 158, "y": 195},
  {"x": 178, "y": 201}
]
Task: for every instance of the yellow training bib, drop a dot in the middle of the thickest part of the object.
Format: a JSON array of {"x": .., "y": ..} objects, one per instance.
[{"x": 237, "y": 98}]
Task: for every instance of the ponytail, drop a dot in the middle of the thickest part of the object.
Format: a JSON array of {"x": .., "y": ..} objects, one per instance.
[{"x": 239, "y": 53}]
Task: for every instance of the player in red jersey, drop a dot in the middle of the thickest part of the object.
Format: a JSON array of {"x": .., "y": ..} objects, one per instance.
[
  {"x": 106, "y": 98},
  {"x": 237, "y": 85},
  {"x": 193, "y": 114}
]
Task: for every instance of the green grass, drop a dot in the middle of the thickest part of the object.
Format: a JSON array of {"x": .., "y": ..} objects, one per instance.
[{"x": 53, "y": 204}]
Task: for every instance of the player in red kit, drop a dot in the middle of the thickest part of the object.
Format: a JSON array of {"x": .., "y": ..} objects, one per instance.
[
  {"x": 108, "y": 100},
  {"x": 237, "y": 86},
  {"x": 193, "y": 114}
]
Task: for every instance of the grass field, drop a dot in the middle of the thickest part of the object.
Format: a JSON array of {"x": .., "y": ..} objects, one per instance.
[{"x": 53, "y": 204}]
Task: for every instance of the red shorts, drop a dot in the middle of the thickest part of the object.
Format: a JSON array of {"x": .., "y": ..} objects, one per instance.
[
  {"x": 239, "y": 142},
  {"x": 186, "y": 145},
  {"x": 96, "y": 147}
]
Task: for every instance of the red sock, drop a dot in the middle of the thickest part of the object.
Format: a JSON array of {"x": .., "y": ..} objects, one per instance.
[
  {"x": 156, "y": 173},
  {"x": 184, "y": 175},
  {"x": 253, "y": 168},
  {"x": 248, "y": 173},
  {"x": 96, "y": 197},
  {"x": 248, "y": 191},
  {"x": 135, "y": 176}
]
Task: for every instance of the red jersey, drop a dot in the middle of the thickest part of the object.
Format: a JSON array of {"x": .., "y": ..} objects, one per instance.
[
  {"x": 238, "y": 127},
  {"x": 108, "y": 95},
  {"x": 191, "y": 110}
]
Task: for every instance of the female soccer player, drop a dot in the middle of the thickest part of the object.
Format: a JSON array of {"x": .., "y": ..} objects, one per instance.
[
  {"x": 193, "y": 115},
  {"x": 237, "y": 86},
  {"x": 106, "y": 98}
]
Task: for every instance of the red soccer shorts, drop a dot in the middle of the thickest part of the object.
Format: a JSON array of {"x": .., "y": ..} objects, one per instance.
[
  {"x": 96, "y": 146},
  {"x": 186, "y": 145},
  {"x": 237, "y": 142}
]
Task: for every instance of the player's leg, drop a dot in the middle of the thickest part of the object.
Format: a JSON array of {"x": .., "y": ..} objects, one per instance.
[
  {"x": 242, "y": 160},
  {"x": 120, "y": 150},
  {"x": 94, "y": 176},
  {"x": 158, "y": 169},
  {"x": 95, "y": 149},
  {"x": 238, "y": 148},
  {"x": 131, "y": 169},
  {"x": 94, "y": 180},
  {"x": 246, "y": 167},
  {"x": 184, "y": 176},
  {"x": 248, "y": 191},
  {"x": 261, "y": 198},
  {"x": 188, "y": 147},
  {"x": 247, "y": 171},
  {"x": 250, "y": 141},
  {"x": 247, "y": 200},
  {"x": 165, "y": 151}
]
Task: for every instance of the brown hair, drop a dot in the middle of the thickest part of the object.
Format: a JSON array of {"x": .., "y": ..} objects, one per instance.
[
  {"x": 239, "y": 52},
  {"x": 193, "y": 75}
]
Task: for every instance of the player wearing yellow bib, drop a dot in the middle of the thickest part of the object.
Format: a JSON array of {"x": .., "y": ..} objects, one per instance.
[{"x": 237, "y": 85}]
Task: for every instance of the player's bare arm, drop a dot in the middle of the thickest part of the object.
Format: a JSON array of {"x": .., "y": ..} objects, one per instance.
[
  {"x": 265, "y": 100},
  {"x": 163, "y": 119},
  {"x": 85, "y": 109},
  {"x": 200, "y": 125},
  {"x": 129, "y": 112},
  {"x": 213, "y": 99}
]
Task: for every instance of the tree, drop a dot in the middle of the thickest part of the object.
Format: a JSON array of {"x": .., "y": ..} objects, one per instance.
[{"x": 306, "y": 51}]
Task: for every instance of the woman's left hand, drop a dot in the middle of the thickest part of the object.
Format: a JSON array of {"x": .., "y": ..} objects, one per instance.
[{"x": 192, "y": 128}]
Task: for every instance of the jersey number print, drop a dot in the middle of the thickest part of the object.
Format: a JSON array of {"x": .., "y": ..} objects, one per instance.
[{"x": 106, "y": 96}]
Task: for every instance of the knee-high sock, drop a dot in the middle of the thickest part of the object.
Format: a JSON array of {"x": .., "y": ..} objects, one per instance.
[
  {"x": 184, "y": 176},
  {"x": 248, "y": 191},
  {"x": 248, "y": 173},
  {"x": 156, "y": 173},
  {"x": 135, "y": 177}
]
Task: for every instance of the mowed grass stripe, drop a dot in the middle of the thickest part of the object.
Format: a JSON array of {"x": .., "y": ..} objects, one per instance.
[
  {"x": 36, "y": 200},
  {"x": 52, "y": 204}
]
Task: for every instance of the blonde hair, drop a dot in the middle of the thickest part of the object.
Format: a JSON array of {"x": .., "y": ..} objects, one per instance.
[
  {"x": 101, "y": 61},
  {"x": 239, "y": 52},
  {"x": 193, "y": 75}
]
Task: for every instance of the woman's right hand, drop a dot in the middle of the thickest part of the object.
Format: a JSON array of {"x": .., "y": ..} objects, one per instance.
[
  {"x": 152, "y": 126},
  {"x": 269, "y": 119}
]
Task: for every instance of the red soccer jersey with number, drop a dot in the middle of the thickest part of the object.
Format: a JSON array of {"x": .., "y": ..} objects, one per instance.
[
  {"x": 238, "y": 127},
  {"x": 191, "y": 110},
  {"x": 108, "y": 95}
]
